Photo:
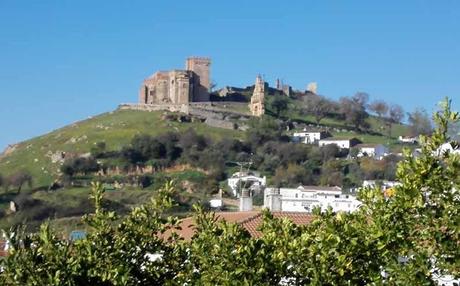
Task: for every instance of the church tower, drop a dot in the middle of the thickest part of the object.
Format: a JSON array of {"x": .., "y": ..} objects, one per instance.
[{"x": 257, "y": 105}]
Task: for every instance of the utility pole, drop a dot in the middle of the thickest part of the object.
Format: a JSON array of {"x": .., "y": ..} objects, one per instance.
[{"x": 242, "y": 164}]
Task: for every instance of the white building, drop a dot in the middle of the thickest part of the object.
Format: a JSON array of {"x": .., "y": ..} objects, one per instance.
[
  {"x": 411, "y": 140},
  {"x": 216, "y": 203},
  {"x": 245, "y": 178},
  {"x": 341, "y": 143},
  {"x": 384, "y": 184},
  {"x": 448, "y": 148},
  {"x": 377, "y": 151},
  {"x": 309, "y": 137},
  {"x": 305, "y": 198}
]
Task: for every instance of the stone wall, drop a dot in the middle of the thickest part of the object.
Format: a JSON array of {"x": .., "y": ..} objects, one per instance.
[
  {"x": 216, "y": 115},
  {"x": 184, "y": 108},
  {"x": 205, "y": 109}
]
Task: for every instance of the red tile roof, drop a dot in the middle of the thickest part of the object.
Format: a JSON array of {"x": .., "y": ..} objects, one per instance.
[
  {"x": 3, "y": 252},
  {"x": 250, "y": 220}
]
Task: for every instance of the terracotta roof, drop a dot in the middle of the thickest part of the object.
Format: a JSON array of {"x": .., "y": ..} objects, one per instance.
[
  {"x": 3, "y": 252},
  {"x": 250, "y": 220}
]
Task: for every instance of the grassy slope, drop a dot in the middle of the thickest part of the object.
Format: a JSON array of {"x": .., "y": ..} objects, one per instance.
[{"x": 115, "y": 128}]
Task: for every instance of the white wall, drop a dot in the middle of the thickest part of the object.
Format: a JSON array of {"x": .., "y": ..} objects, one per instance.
[
  {"x": 344, "y": 144},
  {"x": 304, "y": 200}
]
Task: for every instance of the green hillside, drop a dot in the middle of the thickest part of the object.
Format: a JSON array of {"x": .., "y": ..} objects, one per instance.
[
  {"x": 41, "y": 157},
  {"x": 115, "y": 128}
]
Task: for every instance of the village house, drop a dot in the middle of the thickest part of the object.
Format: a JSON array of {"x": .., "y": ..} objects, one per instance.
[
  {"x": 341, "y": 143},
  {"x": 377, "y": 151},
  {"x": 309, "y": 137},
  {"x": 383, "y": 184},
  {"x": 405, "y": 139},
  {"x": 449, "y": 147},
  {"x": 245, "y": 178},
  {"x": 305, "y": 198}
]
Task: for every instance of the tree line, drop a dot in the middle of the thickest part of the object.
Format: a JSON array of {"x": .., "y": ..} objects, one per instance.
[
  {"x": 266, "y": 146},
  {"x": 355, "y": 110}
]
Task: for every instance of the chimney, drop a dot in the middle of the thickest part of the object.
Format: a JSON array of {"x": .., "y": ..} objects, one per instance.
[
  {"x": 272, "y": 199},
  {"x": 245, "y": 201}
]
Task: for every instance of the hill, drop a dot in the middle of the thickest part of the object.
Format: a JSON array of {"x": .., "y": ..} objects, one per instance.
[{"x": 43, "y": 156}]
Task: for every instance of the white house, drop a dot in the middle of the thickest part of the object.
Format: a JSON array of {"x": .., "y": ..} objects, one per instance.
[
  {"x": 377, "y": 151},
  {"x": 404, "y": 139},
  {"x": 341, "y": 143},
  {"x": 448, "y": 147},
  {"x": 309, "y": 137},
  {"x": 305, "y": 198},
  {"x": 384, "y": 184},
  {"x": 245, "y": 178},
  {"x": 216, "y": 203}
]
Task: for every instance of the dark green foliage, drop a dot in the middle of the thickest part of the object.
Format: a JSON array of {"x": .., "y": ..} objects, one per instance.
[
  {"x": 279, "y": 104},
  {"x": 80, "y": 166},
  {"x": 98, "y": 151}
]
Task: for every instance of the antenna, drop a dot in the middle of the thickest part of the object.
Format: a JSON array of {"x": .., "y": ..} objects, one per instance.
[{"x": 242, "y": 164}]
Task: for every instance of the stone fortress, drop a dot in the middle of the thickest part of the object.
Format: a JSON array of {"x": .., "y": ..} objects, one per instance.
[
  {"x": 189, "y": 91},
  {"x": 178, "y": 86}
]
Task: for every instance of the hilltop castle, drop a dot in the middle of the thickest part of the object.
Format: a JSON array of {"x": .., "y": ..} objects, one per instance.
[
  {"x": 178, "y": 86},
  {"x": 176, "y": 90}
]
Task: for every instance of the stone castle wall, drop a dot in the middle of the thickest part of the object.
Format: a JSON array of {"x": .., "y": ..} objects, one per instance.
[{"x": 205, "y": 109}]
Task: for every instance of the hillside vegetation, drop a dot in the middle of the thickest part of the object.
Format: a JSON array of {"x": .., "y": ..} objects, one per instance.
[
  {"x": 115, "y": 128},
  {"x": 206, "y": 157}
]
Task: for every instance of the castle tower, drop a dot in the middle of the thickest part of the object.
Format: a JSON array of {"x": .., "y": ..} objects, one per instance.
[
  {"x": 312, "y": 87},
  {"x": 257, "y": 105},
  {"x": 278, "y": 84},
  {"x": 202, "y": 83}
]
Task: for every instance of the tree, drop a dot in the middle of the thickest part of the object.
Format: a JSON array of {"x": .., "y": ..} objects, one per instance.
[
  {"x": 316, "y": 105},
  {"x": 419, "y": 122},
  {"x": 396, "y": 115},
  {"x": 354, "y": 110},
  {"x": 20, "y": 178},
  {"x": 379, "y": 107},
  {"x": 292, "y": 176},
  {"x": 2, "y": 181},
  {"x": 279, "y": 104},
  {"x": 98, "y": 150},
  {"x": 80, "y": 165}
]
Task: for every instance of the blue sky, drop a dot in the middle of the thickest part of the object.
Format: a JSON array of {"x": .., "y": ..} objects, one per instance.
[{"x": 61, "y": 61}]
